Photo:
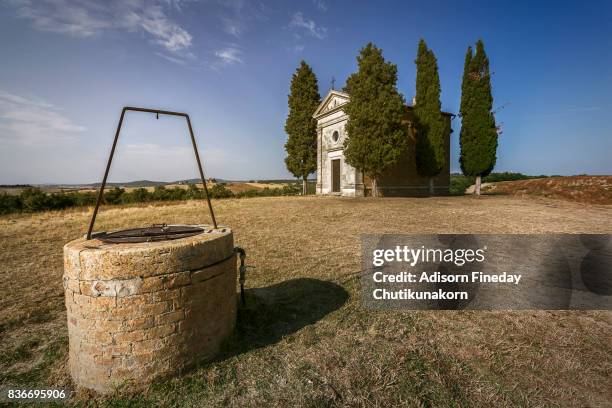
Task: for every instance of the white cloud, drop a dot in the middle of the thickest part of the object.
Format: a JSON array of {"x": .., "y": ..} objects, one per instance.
[
  {"x": 321, "y": 5},
  {"x": 31, "y": 120},
  {"x": 297, "y": 48},
  {"x": 177, "y": 4},
  {"x": 237, "y": 15},
  {"x": 232, "y": 26},
  {"x": 229, "y": 55},
  {"x": 298, "y": 21},
  {"x": 79, "y": 19},
  {"x": 87, "y": 18},
  {"x": 165, "y": 32}
]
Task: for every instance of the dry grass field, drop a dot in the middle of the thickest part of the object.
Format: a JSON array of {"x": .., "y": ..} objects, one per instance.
[
  {"x": 235, "y": 187},
  {"x": 583, "y": 189},
  {"x": 303, "y": 339}
]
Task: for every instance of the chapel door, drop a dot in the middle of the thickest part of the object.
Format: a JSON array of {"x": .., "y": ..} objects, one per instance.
[{"x": 335, "y": 175}]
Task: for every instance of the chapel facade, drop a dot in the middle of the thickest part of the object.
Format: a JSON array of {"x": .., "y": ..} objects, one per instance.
[{"x": 336, "y": 177}]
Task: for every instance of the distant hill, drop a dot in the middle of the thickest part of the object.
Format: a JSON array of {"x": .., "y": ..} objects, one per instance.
[
  {"x": 50, "y": 187},
  {"x": 133, "y": 184},
  {"x": 198, "y": 180},
  {"x": 220, "y": 180}
]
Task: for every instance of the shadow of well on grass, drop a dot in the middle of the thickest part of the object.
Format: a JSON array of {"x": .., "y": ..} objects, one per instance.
[
  {"x": 281, "y": 309},
  {"x": 270, "y": 314}
]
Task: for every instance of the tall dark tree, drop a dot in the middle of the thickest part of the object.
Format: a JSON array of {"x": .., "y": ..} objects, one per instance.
[
  {"x": 478, "y": 138},
  {"x": 377, "y": 134},
  {"x": 301, "y": 128},
  {"x": 430, "y": 124}
]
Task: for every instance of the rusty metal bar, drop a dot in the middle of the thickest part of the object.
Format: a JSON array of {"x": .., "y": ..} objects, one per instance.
[
  {"x": 112, "y": 153},
  {"x": 197, "y": 155}
]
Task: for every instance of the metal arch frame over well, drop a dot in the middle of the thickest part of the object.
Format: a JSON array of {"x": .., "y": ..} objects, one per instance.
[{"x": 110, "y": 159}]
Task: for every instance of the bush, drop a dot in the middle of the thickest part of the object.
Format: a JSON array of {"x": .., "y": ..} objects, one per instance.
[
  {"x": 114, "y": 196},
  {"x": 10, "y": 203},
  {"x": 176, "y": 193},
  {"x": 34, "y": 199},
  {"x": 220, "y": 191},
  {"x": 59, "y": 201},
  {"x": 84, "y": 198},
  {"x": 459, "y": 183},
  {"x": 160, "y": 194},
  {"x": 193, "y": 192},
  {"x": 138, "y": 195},
  {"x": 508, "y": 176}
]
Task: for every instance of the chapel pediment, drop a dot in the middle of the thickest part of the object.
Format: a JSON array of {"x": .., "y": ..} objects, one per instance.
[{"x": 331, "y": 102}]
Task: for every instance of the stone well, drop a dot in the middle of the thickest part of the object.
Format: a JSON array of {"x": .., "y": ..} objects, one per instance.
[{"x": 143, "y": 311}]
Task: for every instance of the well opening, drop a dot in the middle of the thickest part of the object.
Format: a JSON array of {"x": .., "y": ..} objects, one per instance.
[{"x": 156, "y": 232}]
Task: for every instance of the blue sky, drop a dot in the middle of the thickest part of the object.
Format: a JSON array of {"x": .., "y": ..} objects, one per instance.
[{"x": 69, "y": 66}]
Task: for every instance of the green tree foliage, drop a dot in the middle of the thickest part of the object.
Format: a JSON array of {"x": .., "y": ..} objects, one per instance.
[
  {"x": 34, "y": 199},
  {"x": 114, "y": 195},
  {"x": 478, "y": 138},
  {"x": 431, "y": 127},
  {"x": 137, "y": 195},
  {"x": 194, "y": 192},
  {"x": 81, "y": 199},
  {"x": 301, "y": 128},
  {"x": 220, "y": 191},
  {"x": 10, "y": 203},
  {"x": 377, "y": 135}
]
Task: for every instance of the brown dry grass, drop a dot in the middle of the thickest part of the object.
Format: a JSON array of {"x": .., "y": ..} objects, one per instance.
[
  {"x": 242, "y": 187},
  {"x": 582, "y": 189},
  {"x": 304, "y": 339}
]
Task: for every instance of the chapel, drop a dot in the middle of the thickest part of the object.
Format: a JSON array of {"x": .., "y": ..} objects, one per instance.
[{"x": 336, "y": 177}]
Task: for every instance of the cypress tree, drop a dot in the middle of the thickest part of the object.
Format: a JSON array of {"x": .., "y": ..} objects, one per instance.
[
  {"x": 478, "y": 138},
  {"x": 377, "y": 137},
  {"x": 301, "y": 128},
  {"x": 430, "y": 124}
]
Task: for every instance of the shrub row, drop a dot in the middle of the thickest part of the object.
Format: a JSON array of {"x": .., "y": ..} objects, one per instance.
[
  {"x": 33, "y": 199},
  {"x": 459, "y": 183}
]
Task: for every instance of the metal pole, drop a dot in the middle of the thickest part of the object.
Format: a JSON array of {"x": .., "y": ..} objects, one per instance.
[
  {"x": 195, "y": 149},
  {"x": 110, "y": 159},
  {"x": 108, "y": 164}
]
